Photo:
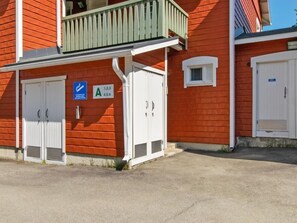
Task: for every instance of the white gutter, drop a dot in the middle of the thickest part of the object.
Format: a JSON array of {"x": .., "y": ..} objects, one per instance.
[
  {"x": 58, "y": 18},
  {"x": 232, "y": 72},
  {"x": 126, "y": 103},
  {"x": 19, "y": 54}
]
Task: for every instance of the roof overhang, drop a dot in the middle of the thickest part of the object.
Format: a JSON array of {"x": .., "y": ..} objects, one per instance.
[
  {"x": 266, "y": 38},
  {"x": 265, "y": 12},
  {"x": 92, "y": 55}
]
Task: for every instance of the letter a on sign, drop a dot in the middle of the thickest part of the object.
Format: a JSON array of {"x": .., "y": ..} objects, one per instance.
[{"x": 98, "y": 92}]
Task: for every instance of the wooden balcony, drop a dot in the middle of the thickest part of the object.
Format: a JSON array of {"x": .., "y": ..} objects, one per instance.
[{"x": 126, "y": 22}]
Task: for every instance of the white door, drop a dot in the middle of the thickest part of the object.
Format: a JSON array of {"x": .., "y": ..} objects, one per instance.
[
  {"x": 54, "y": 116},
  {"x": 156, "y": 132},
  {"x": 272, "y": 103},
  {"x": 148, "y": 114},
  {"x": 32, "y": 112},
  {"x": 140, "y": 113},
  {"x": 44, "y": 117}
]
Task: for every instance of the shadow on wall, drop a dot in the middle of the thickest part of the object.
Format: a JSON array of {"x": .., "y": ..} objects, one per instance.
[
  {"x": 7, "y": 109},
  {"x": 3, "y": 7},
  {"x": 101, "y": 120}
]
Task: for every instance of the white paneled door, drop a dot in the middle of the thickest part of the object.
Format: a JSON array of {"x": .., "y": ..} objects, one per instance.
[
  {"x": 148, "y": 114},
  {"x": 33, "y": 116},
  {"x": 44, "y": 118},
  {"x": 273, "y": 97}
]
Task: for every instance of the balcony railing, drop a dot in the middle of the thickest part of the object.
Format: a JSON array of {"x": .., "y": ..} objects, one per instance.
[{"x": 126, "y": 22}]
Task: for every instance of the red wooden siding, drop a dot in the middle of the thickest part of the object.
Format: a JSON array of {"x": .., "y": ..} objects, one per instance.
[
  {"x": 201, "y": 114},
  {"x": 7, "y": 80},
  {"x": 39, "y": 18},
  {"x": 243, "y": 75},
  {"x": 155, "y": 59},
  {"x": 100, "y": 129}
]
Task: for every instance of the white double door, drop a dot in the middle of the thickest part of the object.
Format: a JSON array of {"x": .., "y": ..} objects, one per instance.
[
  {"x": 44, "y": 120},
  {"x": 148, "y": 114}
]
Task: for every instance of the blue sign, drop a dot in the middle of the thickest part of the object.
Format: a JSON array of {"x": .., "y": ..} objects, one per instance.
[{"x": 80, "y": 90}]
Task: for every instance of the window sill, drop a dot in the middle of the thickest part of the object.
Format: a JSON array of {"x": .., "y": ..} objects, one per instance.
[{"x": 199, "y": 84}]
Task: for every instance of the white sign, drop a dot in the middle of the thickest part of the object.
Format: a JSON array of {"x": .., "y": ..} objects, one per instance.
[{"x": 103, "y": 91}]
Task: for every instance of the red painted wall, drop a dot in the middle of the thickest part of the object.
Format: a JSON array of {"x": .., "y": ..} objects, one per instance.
[
  {"x": 7, "y": 80},
  {"x": 155, "y": 59},
  {"x": 100, "y": 129},
  {"x": 201, "y": 114},
  {"x": 39, "y": 19},
  {"x": 243, "y": 81}
]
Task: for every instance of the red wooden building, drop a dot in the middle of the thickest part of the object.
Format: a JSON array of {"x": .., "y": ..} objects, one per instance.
[{"x": 90, "y": 81}]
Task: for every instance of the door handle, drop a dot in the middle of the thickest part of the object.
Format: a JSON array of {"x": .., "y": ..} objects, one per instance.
[
  {"x": 147, "y": 104},
  {"x": 46, "y": 113},
  {"x": 38, "y": 113},
  {"x": 153, "y": 106},
  {"x": 285, "y": 92}
]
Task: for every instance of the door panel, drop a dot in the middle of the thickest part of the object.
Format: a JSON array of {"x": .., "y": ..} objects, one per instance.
[
  {"x": 156, "y": 111},
  {"x": 33, "y": 117},
  {"x": 140, "y": 112},
  {"x": 272, "y": 97},
  {"x": 54, "y": 114}
]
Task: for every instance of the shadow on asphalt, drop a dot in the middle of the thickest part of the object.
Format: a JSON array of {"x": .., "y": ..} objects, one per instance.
[{"x": 278, "y": 155}]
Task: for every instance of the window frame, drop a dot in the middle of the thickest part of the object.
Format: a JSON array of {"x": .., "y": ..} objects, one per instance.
[{"x": 209, "y": 66}]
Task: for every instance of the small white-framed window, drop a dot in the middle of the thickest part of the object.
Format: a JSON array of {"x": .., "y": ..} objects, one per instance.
[{"x": 200, "y": 71}]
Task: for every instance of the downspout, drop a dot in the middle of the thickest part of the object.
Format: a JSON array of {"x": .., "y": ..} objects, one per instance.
[
  {"x": 19, "y": 54},
  {"x": 232, "y": 72},
  {"x": 123, "y": 78}
]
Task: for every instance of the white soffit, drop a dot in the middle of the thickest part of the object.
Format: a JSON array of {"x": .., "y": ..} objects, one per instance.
[{"x": 265, "y": 12}]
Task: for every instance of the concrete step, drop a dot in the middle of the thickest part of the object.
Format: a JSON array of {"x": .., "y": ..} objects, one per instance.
[{"x": 172, "y": 149}]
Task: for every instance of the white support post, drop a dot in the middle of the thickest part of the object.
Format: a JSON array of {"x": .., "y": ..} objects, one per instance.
[
  {"x": 166, "y": 98},
  {"x": 232, "y": 72}
]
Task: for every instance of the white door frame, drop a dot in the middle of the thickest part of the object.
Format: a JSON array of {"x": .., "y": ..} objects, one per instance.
[
  {"x": 291, "y": 58},
  {"x": 162, "y": 73},
  {"x": 24, "y": 144}
]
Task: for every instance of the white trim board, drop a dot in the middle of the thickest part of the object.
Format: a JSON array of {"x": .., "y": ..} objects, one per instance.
[
  {"x": 55, "y": 78},
  {"x": 266, "y": 38},
  {"x": 139, "y": 160},
  {"x": 148, "y": 68},
  {"x": 274, "y": 57}
]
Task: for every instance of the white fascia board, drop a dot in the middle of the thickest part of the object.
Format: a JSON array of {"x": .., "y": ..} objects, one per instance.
[
  {"x": 152, "y": 47},
  {"x": 68, "y": 60},
  {"x": 274, "y": 57},
  {"x": 266, "y": 38}
]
